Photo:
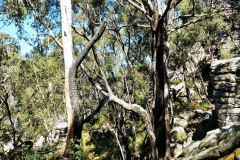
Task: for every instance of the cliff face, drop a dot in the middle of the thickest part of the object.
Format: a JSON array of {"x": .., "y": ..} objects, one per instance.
[{"x": 225, "y": 78}]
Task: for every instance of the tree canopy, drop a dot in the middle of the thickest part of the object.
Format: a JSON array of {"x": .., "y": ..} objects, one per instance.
[{"x": 111, "y": 58}]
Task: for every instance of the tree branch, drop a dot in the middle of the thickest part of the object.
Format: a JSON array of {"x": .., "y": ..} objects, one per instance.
[
  {"x": 101, "y": 104},
  {"x": 188, "y": 23},
  {"x": 132, "y": 107},
  {"x": 89, "y": 45},
  {"x": 83, "y": 35},
  {"x": 142, "y": 9},
  {"x": 167, "y": 8}
]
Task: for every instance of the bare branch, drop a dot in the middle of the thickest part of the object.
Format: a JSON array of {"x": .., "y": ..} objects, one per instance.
[
  {"x": 89, "y": 45},
  {"x": 142, "y": 8},
  {"x": 128, "y": 25},
  {"x": 132, "y": 107},
  {"x": 97, "y": 85},
  {"x": 101, "y": 104},
  {"x": 190, "y": 22},
  {"x": 80, "y": 34},
  {"x": 137, "y": 6},
  {"x": 150, "y": 7}
]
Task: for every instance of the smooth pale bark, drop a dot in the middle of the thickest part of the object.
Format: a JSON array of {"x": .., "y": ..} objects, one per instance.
[
  {"x": 68, "y": 59},
  {"x": 74, "y": 113}
]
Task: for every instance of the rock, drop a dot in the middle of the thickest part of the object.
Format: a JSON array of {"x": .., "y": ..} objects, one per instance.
[
  {"x": 176, "y": 149},
  {"x": 210, "y": 153},
  {"x": 226, "y": 66},
  {"x": 225, "y": 77},
  {"x": 39, "y": 142},
  {"x": 210, "y": 140},
  {"x": 7, "y": 147},
  {"x": 188, "y": 151},
  {"x": 229, "y": 139},
  {"x": 204, "y": 149},
  {"x": 188, "y": 140},
  {"x": 217, "y": 144},
  {"x": 192, "y": 94},
  {"x": 177, "y": 135},
  {"x": 235, "y": 155},
  {"x": 180, "y": 90},
  {"x": 175, "y": 75},
  {"x": 217, "y": 93},
  {"x": 180, "y": 122},
  {"x": 62, "y": 125},
  {"x": 226, "y": 91}
]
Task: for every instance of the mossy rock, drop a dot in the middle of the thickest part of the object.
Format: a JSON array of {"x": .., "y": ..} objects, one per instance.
[
  {"x": 229, "y": 140},
  {"x": 178, "y": 135},
  {"x": 228, "y": 157},
  {"x": 235, "y": 155}
]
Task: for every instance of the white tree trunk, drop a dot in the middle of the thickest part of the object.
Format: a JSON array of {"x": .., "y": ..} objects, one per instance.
[{"x": 68, "y": 58}]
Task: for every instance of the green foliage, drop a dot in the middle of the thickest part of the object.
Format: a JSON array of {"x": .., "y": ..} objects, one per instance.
[
  {"x": 25, "y": 151},
  {"x": 225, "y": 50},
  {"x": 176, "y": 82},
  {"x": 124, "y": 53},
  {"x": 74, "y": 149},
  {"x": 179, "y": 137}
]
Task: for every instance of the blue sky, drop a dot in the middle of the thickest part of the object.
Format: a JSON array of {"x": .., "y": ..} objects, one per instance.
[{"x": 12, "y": 30}]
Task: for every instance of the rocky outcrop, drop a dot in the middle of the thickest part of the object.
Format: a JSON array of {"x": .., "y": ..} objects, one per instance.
[
  {"x": 189, "y": 127},
  {"x": 226, "y": 90},
  {"x": 58, "y": 136},
  {"x": 217, "y": 144}
]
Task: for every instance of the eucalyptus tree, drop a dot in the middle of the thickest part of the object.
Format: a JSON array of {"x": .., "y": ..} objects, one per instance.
[
  {"x": 138, "y": 35},
  {"x": 9, "y": 66}
]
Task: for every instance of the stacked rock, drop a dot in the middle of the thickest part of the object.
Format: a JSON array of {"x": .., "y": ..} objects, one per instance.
[{"x": 226, "y": 90}]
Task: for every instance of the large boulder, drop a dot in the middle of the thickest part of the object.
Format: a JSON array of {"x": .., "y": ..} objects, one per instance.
[
  {"x": 229, "y": 139},
  {"x": 217, "y": 144}
]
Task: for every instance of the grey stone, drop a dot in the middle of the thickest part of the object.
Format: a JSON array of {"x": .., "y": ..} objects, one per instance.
[
  {"x": 7, "y": 147},
  {"x": 229, "y": 139},
  {"x": 180, "y": 90},
  {"x": 180, "y": 122},
  {"x": 218, "y": 94},
  {"x": 186, "y": 152},
  {"x": 62, "y": 125},
  {"x": 225, "y": 77},
  {"x": 226, "y": 66},
  {"x": 176, "y": 149},
  {"x": 40, "y": 142},
  {"x": 225, "y": 100},
  {"x": 222, "y": 87}
]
